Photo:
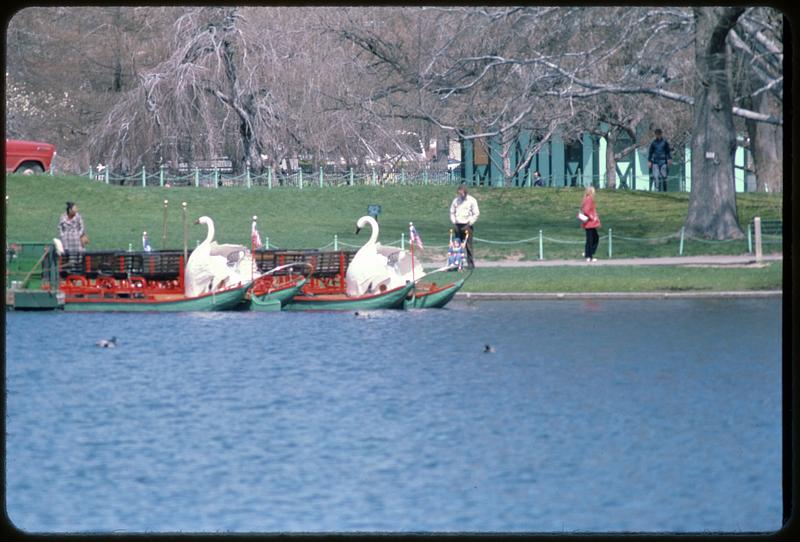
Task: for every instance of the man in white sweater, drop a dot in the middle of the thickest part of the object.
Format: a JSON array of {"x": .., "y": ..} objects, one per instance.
[{"x": 463, "y": 214}]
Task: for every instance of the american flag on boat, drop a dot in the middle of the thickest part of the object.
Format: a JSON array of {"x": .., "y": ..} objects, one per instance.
[{"x": 413, "y": 236}]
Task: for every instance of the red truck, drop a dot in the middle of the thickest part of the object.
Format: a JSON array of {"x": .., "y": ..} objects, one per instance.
[{"x": 28, "y": 157}]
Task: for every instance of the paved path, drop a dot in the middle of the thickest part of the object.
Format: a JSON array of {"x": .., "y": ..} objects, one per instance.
[
  {"x": 745, "y": 259},
  {"x": 481, "y": 296}
]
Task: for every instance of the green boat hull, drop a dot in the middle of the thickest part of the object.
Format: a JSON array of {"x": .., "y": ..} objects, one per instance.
[
  {"x": 33, "y": 300},
  {"x": 392, "y": 299},
  {"x": 219, "y": 301},
  {"x": 274, "y": 301},
  {"x": 433, "y": 300}
]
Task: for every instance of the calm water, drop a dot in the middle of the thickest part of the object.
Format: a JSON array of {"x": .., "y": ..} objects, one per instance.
[{"x": 599, "y": 416}]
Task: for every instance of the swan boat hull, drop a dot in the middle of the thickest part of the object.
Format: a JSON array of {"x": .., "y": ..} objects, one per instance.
[
  {"x": 390, "y": 299},
  {"x": 432, "y": 297},
  {"x": 217, "y": 301},
  {"x": 276, "y": 299}
]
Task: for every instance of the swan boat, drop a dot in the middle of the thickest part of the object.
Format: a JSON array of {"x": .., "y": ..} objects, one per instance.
[
  {"x": 133, "y": 282},
  {"x": 224, "y": 277},
  {"x": 325, "y": 286},
  {"x": 153, "y": 281}
]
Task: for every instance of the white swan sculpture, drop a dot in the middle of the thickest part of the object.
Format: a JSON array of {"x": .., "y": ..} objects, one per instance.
[
  {"x": 213, "y": 267},
  {"x": 375, "y": 266}
]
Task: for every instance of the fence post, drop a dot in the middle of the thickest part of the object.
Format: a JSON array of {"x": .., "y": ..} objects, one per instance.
[
  {"x": 403, "y": 176},
  {"x": 196, "y": 177},
  {"x": 301, "y": 178},
  {"x": 90, "y": 172},
  {"x": 350, "y": 182},
  {"x": 335, "y": 242},
  {"x": 107, "y": 168},
  {"x": 425, "y": 176},
  {"x": 749, "y": 238},
  {"x": 757, "y": 228},
  {"x": 529, "y": 178},
  {"x": 680, "y": 248},
  {"x": 216, "y": 177},
  {"x": 610, "y": 243},
  {"x": 374, "y": 181},
  {"x": 541, "y": 246},
  {"x": 161, "y": 175},
  {"x": 144, "y": 177},
  {"x": 402, "y": 241},
  {"x": 269, "y": 177},
  {"x": 249, "y": 183},
  {"x": 321, "y": 181}
]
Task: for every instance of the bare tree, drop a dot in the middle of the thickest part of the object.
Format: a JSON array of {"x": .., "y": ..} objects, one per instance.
[
  {"x": 192, "y": 103},
  {"x": 566, "y": 59},
  {"x": 67, "y": 65},
  {"x": 757, "y": 48}
]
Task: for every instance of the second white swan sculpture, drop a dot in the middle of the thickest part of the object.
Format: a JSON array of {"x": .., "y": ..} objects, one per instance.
[{"x": 375, "y": 267}]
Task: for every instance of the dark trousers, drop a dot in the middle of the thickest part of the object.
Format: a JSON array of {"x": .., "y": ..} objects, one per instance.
[
  {"x": 461, "y": 232},
  {"x": 592, "y": 240}
]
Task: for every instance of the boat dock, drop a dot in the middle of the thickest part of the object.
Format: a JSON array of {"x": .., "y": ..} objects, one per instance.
[{"x": 33, "y": 300}]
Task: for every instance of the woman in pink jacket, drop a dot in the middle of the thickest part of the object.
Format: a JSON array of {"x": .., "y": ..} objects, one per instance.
[{"x": 591, "y": 224}]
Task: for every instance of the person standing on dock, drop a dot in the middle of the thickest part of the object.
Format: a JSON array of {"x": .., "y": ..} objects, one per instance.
[
  {"x": 464, "y": 213},
  {"x": 72, "y": 233}
]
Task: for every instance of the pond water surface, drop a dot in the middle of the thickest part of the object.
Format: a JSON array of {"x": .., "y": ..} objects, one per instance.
[{"x": 610, "y": 415}]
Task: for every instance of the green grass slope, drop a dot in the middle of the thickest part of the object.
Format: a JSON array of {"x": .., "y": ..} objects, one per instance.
[{"x": 116, "y": 216}]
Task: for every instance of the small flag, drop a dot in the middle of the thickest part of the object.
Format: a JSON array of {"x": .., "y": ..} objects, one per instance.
[
  {"x": 255, "y": 238},
  {"x": 413, "y": 236},
  {"x": 146, "y": 242}
]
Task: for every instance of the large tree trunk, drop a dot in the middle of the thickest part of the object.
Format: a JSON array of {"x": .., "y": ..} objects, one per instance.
[
  {"x": 766, "y": 145},
  {"x": 712, "y": 203}
]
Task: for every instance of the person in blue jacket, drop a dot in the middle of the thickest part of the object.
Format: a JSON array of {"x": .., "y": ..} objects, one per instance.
[{"x": 659, "y": 158}]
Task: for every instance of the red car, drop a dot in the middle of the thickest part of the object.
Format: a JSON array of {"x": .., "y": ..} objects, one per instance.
[{"x": 28, "y": 157}]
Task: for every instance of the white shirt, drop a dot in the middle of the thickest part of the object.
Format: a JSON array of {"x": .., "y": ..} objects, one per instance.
[{"x": 464, "y": 211}]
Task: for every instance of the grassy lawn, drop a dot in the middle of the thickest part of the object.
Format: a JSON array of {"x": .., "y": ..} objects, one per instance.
[
  {"x": 116, "y": 216},
  {"x": 624, "y": 279}
]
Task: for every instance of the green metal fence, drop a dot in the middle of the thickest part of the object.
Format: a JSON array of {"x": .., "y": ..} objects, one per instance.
[{"x": 276, "y": 179}]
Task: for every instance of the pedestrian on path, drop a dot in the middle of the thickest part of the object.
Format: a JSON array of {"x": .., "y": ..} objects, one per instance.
[
  {"x": 590, "y": 221},
  {"x": 464, "y": 213}
]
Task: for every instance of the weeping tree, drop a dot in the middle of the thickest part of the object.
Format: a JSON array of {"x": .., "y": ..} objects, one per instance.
[{"x": 204, "y": 96}]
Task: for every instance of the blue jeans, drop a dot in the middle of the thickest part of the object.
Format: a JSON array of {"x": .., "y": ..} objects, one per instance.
[{"x": 658, "y": 177}]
